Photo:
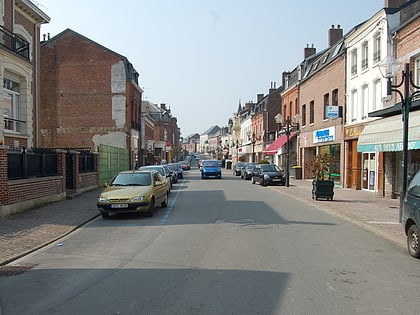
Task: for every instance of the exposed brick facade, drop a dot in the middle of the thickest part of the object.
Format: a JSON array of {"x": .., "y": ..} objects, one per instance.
[{"x": 87, "y": 96}]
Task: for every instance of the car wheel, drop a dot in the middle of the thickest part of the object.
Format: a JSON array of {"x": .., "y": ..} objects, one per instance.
[
  {"x": 151, "y": 208},
  {"x": 413, "y": 241},
  {"x": 263, "y": 183},
  {"x": 164, "y": 203},
  {"x": 253, "y": 180},
  {"x": 105, "y": 215}
]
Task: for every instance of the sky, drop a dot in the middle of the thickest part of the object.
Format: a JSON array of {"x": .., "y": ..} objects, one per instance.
[{"x": 202, "y": 57}]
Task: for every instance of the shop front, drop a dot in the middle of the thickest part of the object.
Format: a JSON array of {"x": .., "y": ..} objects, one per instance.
[
  {"x": 380, "y": 145},
  {"x": 323, "y": 141}
]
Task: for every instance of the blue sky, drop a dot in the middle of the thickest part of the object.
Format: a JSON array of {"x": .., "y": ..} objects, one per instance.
[{"x": 200, "y": 57}]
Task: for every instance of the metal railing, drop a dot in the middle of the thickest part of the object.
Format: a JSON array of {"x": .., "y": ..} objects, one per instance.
[
  {"x": 14, "y": 43},
  {"x": 31, "y": 163}
]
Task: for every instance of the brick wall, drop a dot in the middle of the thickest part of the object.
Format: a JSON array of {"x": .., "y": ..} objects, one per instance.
[
  {"x": 24, "y": 194},
  {"x": 21, "y": 195},
  {"x": 76, "y": 78}
]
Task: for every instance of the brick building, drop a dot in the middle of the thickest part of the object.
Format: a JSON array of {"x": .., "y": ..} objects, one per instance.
[
  {"x": 321, "y": 90},
  {"x": 90, "y": 95}
]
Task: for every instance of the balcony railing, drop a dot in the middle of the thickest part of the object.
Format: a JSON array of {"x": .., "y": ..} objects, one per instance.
[
  {"x": 13, "y": 124},
  {"x": 14, "y": 43}
]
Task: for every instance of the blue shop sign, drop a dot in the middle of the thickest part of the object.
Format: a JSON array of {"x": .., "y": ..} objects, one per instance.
[{"x": 324, "y": 135}]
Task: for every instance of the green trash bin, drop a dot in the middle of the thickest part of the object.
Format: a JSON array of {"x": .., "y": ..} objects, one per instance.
[{"x": 298, "y": 171}]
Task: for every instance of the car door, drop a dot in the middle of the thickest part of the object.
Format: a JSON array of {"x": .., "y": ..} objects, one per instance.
[
  {"x": 160, "y": 189},
  {"x": 256, "y": 174}
]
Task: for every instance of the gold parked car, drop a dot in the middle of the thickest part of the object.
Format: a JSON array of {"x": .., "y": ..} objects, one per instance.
[{"x": 134, "y": 191}]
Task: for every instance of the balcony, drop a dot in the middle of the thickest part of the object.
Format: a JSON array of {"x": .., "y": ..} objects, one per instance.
[
  {"x": 14, "y": 43},
  {"x": 11, "y": 124}
]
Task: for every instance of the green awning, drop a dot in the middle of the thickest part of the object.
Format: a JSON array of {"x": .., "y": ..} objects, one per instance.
[{"x": 386, "y": 134}]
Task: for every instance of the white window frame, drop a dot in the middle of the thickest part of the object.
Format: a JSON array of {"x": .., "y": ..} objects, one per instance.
[
  {"x": 354, "y": 62},
  {"x": 364, "y": 104},
  {"x": 365, "y": 55},
  {"x": 12, "y": 97},
  {"x": 376, "y": 49},
  {"x": 354, "y": 104},
  {"x": 377, "y": 98}
]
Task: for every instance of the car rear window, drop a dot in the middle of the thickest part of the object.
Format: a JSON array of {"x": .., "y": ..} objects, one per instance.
[{"x": 132, "y": 179}]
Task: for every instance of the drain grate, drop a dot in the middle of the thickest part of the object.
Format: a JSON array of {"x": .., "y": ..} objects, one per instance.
[{"x": 9, "y": 271}]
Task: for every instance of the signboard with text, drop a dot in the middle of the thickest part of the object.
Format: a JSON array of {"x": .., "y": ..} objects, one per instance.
[
  {"x": 324, "y": 135},
  {"x": 332, "y": 111}
]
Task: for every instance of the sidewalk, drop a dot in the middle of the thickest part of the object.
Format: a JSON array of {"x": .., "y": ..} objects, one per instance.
[
  {"x": 379, "y": 215},
  {"x": 26, "y": 232}
]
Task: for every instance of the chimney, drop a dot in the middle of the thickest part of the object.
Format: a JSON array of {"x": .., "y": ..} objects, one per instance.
[
  {"x": 394, "y": 3},
  {"x": 163, "y": 106},
  {"x": 272, "y": 87},
  {"x": 309, "y": 51},
  {"x": 259, "y": 97},
  {"x": 334, "y": 35}
]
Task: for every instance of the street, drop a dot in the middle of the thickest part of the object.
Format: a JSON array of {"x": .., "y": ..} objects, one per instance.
[{"x": 220, "y": 247}]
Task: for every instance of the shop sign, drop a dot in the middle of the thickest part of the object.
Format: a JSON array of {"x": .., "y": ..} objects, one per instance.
[
  {"x": 331, "y": 111},
  {"x": 324, "y": 135}
]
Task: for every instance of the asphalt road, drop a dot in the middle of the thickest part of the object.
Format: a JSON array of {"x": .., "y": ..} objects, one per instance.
[{"x": 221, "y": 247}]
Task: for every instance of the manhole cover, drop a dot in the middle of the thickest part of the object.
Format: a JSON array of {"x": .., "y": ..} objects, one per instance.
[{"x": 9, "y": 271}]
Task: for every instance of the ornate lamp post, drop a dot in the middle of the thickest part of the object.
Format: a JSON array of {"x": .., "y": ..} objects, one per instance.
[
  {"x": 253, "y": 139},
  {"x": 287, "y": 128},
  {"x": 389, "y": 67},
  {"x": 237, "y": 150}
]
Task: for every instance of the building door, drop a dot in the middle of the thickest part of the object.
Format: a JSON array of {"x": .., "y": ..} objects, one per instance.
[{"x": 369, "y": 171}]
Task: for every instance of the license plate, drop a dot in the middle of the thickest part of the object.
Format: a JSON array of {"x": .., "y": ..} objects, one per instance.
[
  {"x": 276, "y": 179},
  {"x": 119, "y": 205}
]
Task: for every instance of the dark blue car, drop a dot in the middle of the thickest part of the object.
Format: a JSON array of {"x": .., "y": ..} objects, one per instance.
[
  {"x": 211, "y": 168},
  {"x": 411, "y": 216},
  {"x": 268, "y": 174}
]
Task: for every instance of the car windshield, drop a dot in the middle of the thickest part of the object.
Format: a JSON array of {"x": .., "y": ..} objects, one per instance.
[
  {"x": 132, "y": 179},
  {"x": 250, "y": 166},
  {"x": 270, "y": 168}
]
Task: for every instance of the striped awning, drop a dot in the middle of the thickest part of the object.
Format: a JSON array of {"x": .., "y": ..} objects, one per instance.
[{"x": 386, "y": 134}]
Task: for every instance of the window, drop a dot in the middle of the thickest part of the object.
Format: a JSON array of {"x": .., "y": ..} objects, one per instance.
[
  {"x": 416, "y": 78},
  {"x": 377, "y": 48},
  {"x": 326, "y": 103},
  {"x": 365, "y": 54},
  {"x": 311, "y": 112},
  {"x": 365, "y": 101},
  {"x": 354, "y": 105},
  {"x": 334, "y": 97},
  {"x": 354, "y": 62},
  {"x": 377, "y": 100},
  {"x": 11, "y": 105},
  {"x": 304, "y": 115}
]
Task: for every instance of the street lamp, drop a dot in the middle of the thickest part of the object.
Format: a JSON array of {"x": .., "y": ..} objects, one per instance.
[
  {"x": 287, "y": 129},
  {"x": 253, "y": 139},
  {"x": 237, "y": 150},
  {"x": 388, "y": 68}
]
